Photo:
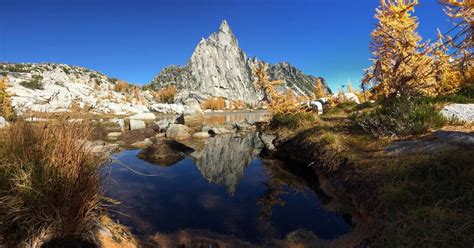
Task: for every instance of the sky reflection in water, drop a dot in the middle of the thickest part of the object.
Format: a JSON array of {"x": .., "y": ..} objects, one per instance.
[{"x": 225, "y": 198}]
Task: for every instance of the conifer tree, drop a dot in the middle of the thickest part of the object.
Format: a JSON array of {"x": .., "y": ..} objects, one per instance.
[
  {"x": 319, "y": 90},
  {"x": 447, "y": 75},
  {"x": 286, "y": 103},
  {"x": 463, "y": 11},
  {"x": 349, "y": 87},
  {"x": 401, "y": 63}
]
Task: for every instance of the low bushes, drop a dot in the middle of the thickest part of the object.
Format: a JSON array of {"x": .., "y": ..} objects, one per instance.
[
  {"x": 49, "y": 181},
  {"x": 292, "y": 121},
  {"x": 400, "y": 117},
  {"x": 35, "y": 83}
]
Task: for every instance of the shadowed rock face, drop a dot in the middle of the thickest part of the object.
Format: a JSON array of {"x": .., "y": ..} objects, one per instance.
[
  {"x": 225, "y": 157},
  {"x": 219, "y": 68}
]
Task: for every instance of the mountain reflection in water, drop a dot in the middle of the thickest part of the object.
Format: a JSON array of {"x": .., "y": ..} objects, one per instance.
[{"x": 222, "y": 187}]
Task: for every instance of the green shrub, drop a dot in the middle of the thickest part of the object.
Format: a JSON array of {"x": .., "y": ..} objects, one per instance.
[
  {"x": 292, "y": 120},
  {"x": 400, "y": 117},
  {"x": 463, "y": 95},
  {"x": 467, "y": 91},
  {"x": 112, "y": 80},
  {"x": 17, "y": 68},
  {"x": 328, "y": 139},
  {"x": 34, "y": 84}
]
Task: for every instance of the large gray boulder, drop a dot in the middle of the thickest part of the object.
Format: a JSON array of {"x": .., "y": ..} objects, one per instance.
[
  {"x": 178, "y": 132},
  {"x": 193, "y": 117},
  {"x": 461, "y": 112},
  {"x": 137, "y": 124}
]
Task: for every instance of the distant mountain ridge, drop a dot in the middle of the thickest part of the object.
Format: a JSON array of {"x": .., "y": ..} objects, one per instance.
[{"x": 218, "y": 67}]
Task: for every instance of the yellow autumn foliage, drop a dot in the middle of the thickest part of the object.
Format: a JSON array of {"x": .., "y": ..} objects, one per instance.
[
  {"x": 463, "y": 11},
  {"x": 165, "y": 95},
  {"x": 401, "y": 61},
  {"x": 318, "y": 89},
  {"x": 279, "y": 103},
  {"x": 217, "y": 103},
  {"x": 6, "y": 108}
]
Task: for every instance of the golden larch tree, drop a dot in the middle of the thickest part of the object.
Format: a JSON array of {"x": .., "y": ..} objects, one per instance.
[
  {"x": 401, "y": 62},
  {"x": 349, "y": 87},
  {"x": 286, "y": 103},
  {"x": 463, "y": 11},
  {"x": 447, "y": 76},
  {"x": 318, "y": 89}
]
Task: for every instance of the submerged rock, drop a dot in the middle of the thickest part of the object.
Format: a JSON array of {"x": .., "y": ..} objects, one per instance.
[
  {"x": 130, "y": 137},
  {"x": 165, "y": 152}
]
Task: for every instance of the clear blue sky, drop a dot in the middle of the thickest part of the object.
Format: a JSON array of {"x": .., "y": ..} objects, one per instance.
[{"x": 134, "y": 39}]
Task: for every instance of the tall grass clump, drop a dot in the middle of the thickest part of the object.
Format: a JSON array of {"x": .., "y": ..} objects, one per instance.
[
  {"x": 214, "y": 103},
  {"x": 6, "y": 108},
  {"x": 49, "y": 181}
]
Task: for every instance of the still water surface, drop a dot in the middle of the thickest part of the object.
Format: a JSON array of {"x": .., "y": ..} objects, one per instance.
[{"x": 223, "y": 187}]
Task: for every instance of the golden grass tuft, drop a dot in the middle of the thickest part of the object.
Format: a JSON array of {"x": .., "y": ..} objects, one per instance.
[
  {"x": 49, "y": 181},
  {"x": 121, "y": 86},
  {"x": 214, "y": 104},
  {"x": 166, "y": 95}
]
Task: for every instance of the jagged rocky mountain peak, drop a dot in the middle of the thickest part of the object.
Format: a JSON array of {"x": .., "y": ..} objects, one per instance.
[
  {"x": 225, "y": 27},
  {"x": 219, "y": 68}
]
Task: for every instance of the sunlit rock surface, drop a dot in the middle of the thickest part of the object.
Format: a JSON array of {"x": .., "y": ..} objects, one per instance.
[
  {"x": 219, "y": 68},
  {"x": 225, "y": 157},
  {"x": 461, "y": 112}
]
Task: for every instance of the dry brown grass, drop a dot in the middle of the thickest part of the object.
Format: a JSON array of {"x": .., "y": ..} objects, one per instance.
[
  {"x": 49, "y": 181},
  {"x": 121, "y": 86},
  {"x": 166, "y": 95},
  {"x": 6, "y": 108},
  {"x": 214, "y": 104}
]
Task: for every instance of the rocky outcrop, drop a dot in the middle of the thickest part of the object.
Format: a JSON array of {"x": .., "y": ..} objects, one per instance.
[
  {"x": 294, "y": 79},
  {"x": 225, "y": 157},
  {"x": 219, "y": 68},
  {"x": 48, "y": 87},
  {"x": 460, "y": 112}
]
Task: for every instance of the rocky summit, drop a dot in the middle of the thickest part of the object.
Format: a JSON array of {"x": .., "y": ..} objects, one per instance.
[{"x": 219, "y": 68}]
